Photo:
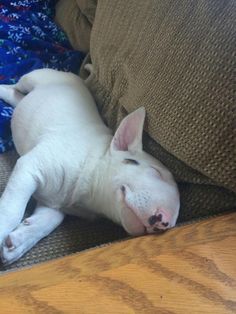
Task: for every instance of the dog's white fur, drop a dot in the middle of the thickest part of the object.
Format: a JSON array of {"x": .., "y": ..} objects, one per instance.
[{"x": 71, "y": 163}]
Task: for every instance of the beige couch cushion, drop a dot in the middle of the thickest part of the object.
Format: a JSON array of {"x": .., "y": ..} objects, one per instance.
[
  {"x": 76, "y": 18},
  {"x": 7, "y": 162},
  {"x": 175, "y": 58}
]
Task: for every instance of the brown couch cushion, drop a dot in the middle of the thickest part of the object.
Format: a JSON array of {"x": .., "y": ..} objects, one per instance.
[
  {"x": 7, "y": 162},
  {"x": 176, "y": 59},
  {"x": 76, "y": 18}
]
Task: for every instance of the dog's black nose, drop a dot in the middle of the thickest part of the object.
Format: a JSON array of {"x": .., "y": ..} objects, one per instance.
[{"x": 154, "y": 218}]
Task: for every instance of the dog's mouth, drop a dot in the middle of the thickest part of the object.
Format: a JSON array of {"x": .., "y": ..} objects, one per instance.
[
  {"x": 130, "y": 220},
  {"x": 131, "y": 223}
]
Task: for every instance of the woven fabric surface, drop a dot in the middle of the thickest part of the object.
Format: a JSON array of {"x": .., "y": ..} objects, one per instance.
[
  {"x": 177, "y": 59},
  {"x": 76, "y": 18},
  {"x": 73, "y": 235},
  {"x": 7, "y": 162}
]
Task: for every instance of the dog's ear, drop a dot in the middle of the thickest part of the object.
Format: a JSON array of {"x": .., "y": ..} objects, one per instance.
[{"x": 128, "y": 136}]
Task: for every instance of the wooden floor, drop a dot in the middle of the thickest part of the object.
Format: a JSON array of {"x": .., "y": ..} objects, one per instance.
[{"x": 190, "y": 269}]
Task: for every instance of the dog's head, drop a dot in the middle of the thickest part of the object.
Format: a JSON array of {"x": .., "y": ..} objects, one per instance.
[{"x": 143, "y": 194}]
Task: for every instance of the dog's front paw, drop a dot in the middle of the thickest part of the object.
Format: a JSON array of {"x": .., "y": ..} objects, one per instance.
[
  {"x": 16, "y": 244},
  {"x": 10, "y": 252},
  {"x": 3, "y": 233}
]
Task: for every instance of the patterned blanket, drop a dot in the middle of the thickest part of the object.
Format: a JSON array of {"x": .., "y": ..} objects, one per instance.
[{"x": 29, "y": 39}]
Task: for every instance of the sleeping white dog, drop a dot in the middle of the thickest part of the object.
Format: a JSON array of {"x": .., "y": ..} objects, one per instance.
[{"x": 71, "y": 163}]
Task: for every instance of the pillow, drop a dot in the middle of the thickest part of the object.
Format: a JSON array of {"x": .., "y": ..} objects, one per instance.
[{"x": 175, "y": 58}]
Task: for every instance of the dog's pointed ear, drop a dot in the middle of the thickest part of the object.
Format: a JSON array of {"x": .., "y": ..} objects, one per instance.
[{"x": 128, "y": 136}]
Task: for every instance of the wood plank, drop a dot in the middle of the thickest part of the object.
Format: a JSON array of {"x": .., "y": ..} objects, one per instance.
[{"x": 190, "y": 269}]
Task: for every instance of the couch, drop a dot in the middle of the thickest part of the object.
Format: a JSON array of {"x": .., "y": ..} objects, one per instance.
[{"x": 175, "y": 58}]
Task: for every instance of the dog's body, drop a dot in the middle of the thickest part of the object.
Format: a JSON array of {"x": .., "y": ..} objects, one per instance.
[{"x": 72, "y": 164}]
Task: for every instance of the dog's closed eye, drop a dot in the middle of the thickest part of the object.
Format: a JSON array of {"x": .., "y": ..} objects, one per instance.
[{"x": 130, "y": 161}]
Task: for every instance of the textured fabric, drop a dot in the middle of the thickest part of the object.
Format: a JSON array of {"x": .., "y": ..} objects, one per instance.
[
  {"x": 30, "y": 39},
  {"x": 73, "y": 235},
  {"x": 7, "y": 161},
  {"x": 76, "y": 18},
  {"x": 175, "y": 58}
]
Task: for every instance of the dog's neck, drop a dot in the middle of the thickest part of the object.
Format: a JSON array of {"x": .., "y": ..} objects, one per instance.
[{"x": 94, "y": 186}]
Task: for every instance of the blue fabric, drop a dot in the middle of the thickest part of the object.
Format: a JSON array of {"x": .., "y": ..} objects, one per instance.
[{"x": 29, "y": 40}]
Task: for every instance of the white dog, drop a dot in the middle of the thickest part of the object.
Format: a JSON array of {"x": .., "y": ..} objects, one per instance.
[{"x": 71, "y": 163}]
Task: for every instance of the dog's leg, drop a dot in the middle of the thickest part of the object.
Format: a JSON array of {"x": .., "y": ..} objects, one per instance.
[
  {"x": 29, "y": 232},
  {"x": 43, "y": 77},
  {"x": 20, "y": 187},
  {"x": 25, "y": 84},
  {"x": 10, "y": 94},
  {"x": 13, "y": 94}
]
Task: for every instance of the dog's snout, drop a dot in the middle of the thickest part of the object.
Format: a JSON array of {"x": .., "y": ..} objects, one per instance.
[{"x": 160, "y": 220}]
